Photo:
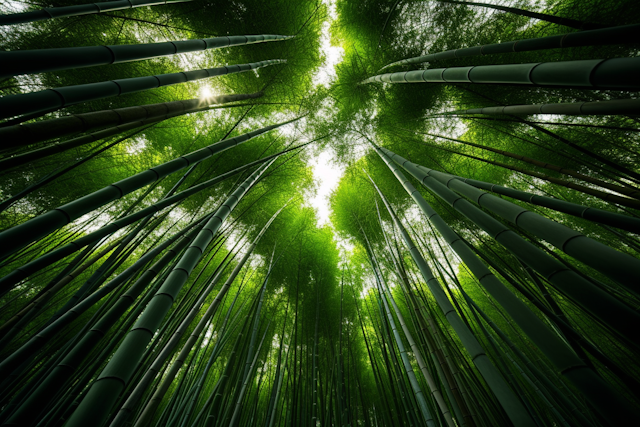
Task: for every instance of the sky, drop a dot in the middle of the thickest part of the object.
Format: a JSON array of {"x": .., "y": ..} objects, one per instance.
[{"x": 326, "y": 173}]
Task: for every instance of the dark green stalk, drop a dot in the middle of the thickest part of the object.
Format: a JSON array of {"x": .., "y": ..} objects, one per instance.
[
  {"x": 45, "y": 60},
  {"x": 36, "y": 228},
  {"x": 601, "y": 36},
  {"x": 594, "y": 74},
  {"x": 115, "y": 121},
  {"x": 13, "y": 105},
  {"x": 76, "y": 10}
]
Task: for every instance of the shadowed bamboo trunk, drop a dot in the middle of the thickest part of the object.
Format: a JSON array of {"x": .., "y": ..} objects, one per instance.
[
  {"x": 21, "y": 235},
  {"x": 48, "y": 387},
  {"x": 509, "y": 401},
  {"x": 422, "y": 404},
  {"x": 602, "y": 36},
  {"x": 627, "y": 191},
  {"x": 82, "y": 9},
  {"x": 433, "y": 387},
  {"x": 567, "y": 22},
  {"x": 14, "y": 105},
  {"x": 601, "y": 216},
  {"x": 603, "y": 195},
  {"x": 20, "y": 273},
  {"x": 7, "y": 203},
  {"x": 149, "y": 410},
  {"x": 594, "y": 74},
  {"x": 620, "y": 267},
  {"x": 99, "y": 400},
  {"x": 114, "y": 121},
  {"x": 593, "y": 108},
  {"x": 43, "y": 60},
  {"x": 599, "y": 393}
]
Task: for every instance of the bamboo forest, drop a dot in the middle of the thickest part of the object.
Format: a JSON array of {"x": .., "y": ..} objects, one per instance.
[{"x": 354, "y": 213}]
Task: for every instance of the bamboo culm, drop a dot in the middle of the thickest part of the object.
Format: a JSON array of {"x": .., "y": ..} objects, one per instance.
[
  {"x": 419, "y": 395},
  {"x": 599, "y": 393},
  {"x": 592, "y": 108},
  {"x": 50, "y": 385},
  {"x": 21, "y": 235},
  {"x": 14, "y": 105},
  {"x": 601, "y": 216},
  {"x": 619, "y": 266},
  {"x": 601, "y": 36},
  {"x": 509, "y": 402},
  {"x": 20, "y": 62},
  {"x": 595, "y": 74},
  {"x": 20, "y": 273},
  {"x": 167, "y": 379},
  {"x": 118, "y": 119},
  {"x": 100, "y": 398},
  {"x": 76, "y": 10}
]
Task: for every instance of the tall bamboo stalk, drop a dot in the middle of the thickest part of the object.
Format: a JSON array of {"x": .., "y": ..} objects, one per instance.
[
  {"x": 152, "y": 405},
  {"x": 77, "y": 10},
  {"x": 21, "y": 235},
  {"x": 115, "y": 120},
  {"x": 99, "y": 400},
  {"x": 592, "y": 108},
  {"x": 510, "y": 403},
  {"x": 43, "y": 60},
  {"x": 594, "y": 74},
  {"x": 601, "y": 36},
  {"x": 596, "y": 390},
  {"x": 619, "y": 266},
  {"x": 14, "y": 105}
]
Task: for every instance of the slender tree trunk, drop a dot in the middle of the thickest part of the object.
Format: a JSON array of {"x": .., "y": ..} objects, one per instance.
[
  {"x": 602, "y": 36},
  {"x": 44, "y": 60},
  {"x": 567, "y": 22},
  {"x": 77, "y": 10},
  {"x": 14, "y": 105},
  {"x": 594, "y": 74}
]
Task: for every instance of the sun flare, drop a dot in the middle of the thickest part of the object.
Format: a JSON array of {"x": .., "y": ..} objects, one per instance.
[{"x": 205, "y": 93}]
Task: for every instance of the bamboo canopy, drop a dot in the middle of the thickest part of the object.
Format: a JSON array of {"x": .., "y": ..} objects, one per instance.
[{"x": 312, "y": 243}]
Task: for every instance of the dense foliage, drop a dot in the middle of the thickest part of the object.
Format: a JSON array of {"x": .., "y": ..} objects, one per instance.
[{"x": 434, "y": 295}]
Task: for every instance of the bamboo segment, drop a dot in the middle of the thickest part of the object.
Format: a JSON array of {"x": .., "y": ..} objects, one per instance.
[
  {"x": 422, "y": 404},
  {"x": 77, "y": 10},
  {"x": 626, "y": 190},
  {"x": 601, "y": 36},
  {"x": 601, "y": 216},
  {"x": 20, "y": 273},
  {"x": 594, "y": 108},
  {"x": 558, "y": 20},
  {"x": 47, "y": 388},
  {"x": 509, "y": 401},
  {"x": 168, "y": 378},
  {"x": 602, "y": 304},
  {"x": 600, "y": 394},
  {"x": 603, "y": 195},
  {"x": 619, "y": 266},
  {"x": 99, "y": 400},
  {"x": 614, "y": 74},
  {"x": 433, "y": 387},
  {"x": 14, "y": 105},
  {"x": 21, "y": 235},
  {"x": 116, "y": 120},
  {"x": 42, "y": 60}
]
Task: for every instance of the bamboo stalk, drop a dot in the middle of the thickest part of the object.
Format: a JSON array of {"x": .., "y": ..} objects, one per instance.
[
  {"x": 43, "y": 60},
  {"x": 21, "y": 235},
  {"x": 597, "y": 37},
  {"x": 78, "y": 10},
  {"x": 594, "y": 74},
  {"x": 13, "y": 105}
]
